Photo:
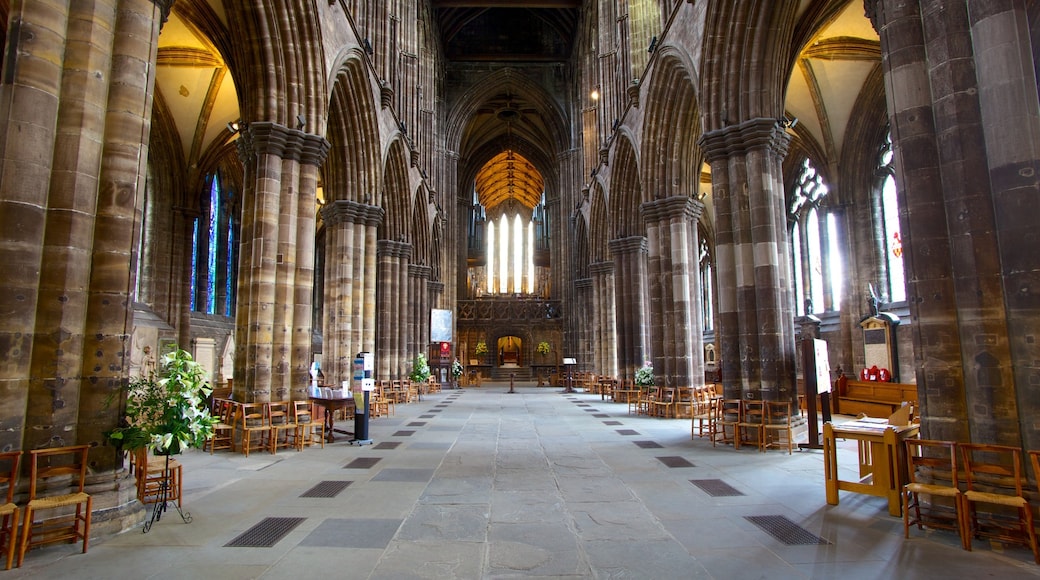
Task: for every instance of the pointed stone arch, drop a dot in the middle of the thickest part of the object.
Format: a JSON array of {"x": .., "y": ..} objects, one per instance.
[
  {"x": 625, "y": 192},
  {"x": 671, "y": 155},
  {"x": 396, "y": 193},
  {"x": 353, "y": 172}
]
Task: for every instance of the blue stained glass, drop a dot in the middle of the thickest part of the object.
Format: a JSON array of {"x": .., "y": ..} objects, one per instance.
[
  {"x": 194, "y": 263},
  {"x": 211, "y": 263},
  {"x": 230, "y": 267}
]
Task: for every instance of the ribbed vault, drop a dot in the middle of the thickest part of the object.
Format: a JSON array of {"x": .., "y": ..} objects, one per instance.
[{"x": 509, "y": 184}]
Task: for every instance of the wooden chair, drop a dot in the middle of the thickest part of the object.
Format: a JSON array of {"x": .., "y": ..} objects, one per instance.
[
  {"x": 309, "y": 425},
  {"x": 932, "y": 471},
  {"x": 777, "y": 421},
  {"x": 282, "y": 426},
  {"x": 752, "y": 421},
  {"x": 252, "y": 420},
  {"x": 153, "y": 474},
  {"x": 9, "y": 463},
  {"x": 727, "y": 421},
  {"x": 993, "y": 477},
  {"x": 64, "y": 469},
  {"x": 682, "y": 406},
  {"x": 224, "y": 430},
  {"x": 702, "y": 413}
]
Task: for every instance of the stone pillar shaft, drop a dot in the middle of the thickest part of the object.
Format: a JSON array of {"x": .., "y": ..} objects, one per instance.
[
  {"x": 963, "y": 108},
  {"x": 605, "y": 316},
  {"x": 633, "y": 303},
  {"x": 755, "y": 331},
  {"x": 678, "y": 347}
]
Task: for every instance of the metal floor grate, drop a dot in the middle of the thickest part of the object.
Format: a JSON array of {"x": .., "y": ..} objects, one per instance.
[
  {"x": 648, "y": 444},
  {"x": 416, "y": 424},
  {"x": 326, "y": 489},
  {"x": 388, "y": 445},
  {"x": 601, "y": 415},
  {"x": 627, "y": 432},
  {"x": 675, "y": 461},
  {"x": 403, "y": 433},
  {"x": 265, "y": 534},
  {"x": 613, "y": 423},
  {"x": 716, "y": 487},
  {"x": 785, "y": 530},
  {"x": 362, "y": 463}
]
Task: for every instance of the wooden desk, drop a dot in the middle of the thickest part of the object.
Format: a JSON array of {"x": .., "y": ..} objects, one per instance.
[
  {"x": 331, "y": 406},
  {"x": 881, "y": 457}
]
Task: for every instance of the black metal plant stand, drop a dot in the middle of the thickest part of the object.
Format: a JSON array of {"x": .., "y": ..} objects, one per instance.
[{"x": 164, "y": 499}]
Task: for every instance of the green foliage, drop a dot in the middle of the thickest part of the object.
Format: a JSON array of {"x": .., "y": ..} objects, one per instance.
[
  {"x": 481, "y": 348},
  {"x": 456, "y": 368},
  {"x": 420, "y": 369},
  {"x": 544, "y": 348},
  {"x": 167, "y": 411}
]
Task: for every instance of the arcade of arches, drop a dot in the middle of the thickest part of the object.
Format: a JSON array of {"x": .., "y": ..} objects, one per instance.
[{"x": 268, "y": 183}]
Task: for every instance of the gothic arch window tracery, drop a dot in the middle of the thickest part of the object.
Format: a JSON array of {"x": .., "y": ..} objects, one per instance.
[
  {"x": 816, "y": 259},
  {"x": 890, "y": 240},
  {"x": 214, "y": 251}
]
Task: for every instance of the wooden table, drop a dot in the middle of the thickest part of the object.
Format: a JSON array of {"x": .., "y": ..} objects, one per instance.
[
  {"x": 882, "y": 459},
  {"x": 331, "y": 406}
]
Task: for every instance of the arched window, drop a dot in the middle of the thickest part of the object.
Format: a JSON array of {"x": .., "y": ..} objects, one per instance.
[
  {"x": 891, "y": 241},
  {"x": 815, "y": 256},
  {"x": 213, "y": 254},
  {"x": 707, "y": 281}
]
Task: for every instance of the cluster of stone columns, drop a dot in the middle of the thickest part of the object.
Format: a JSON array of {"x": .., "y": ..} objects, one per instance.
[
  {"x": 964, "y": 116},
  {"x": 633, "y": 304},
  {"x": 393, "y": 360},
  {"x": 675, "y": 320},
  {"x": 755, "y": 328},
  {"x": 349, "y": 295},
  {"x": 77, "y": 97},
  {"x": 604, "y": 325},
  {"x": 276, "y": 266}
]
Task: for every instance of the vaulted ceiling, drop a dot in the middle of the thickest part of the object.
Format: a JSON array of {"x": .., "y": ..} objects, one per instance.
[{"x": 508, "y": 30}]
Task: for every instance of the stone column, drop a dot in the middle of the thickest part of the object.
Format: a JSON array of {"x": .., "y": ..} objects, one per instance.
[
  {"x": 392, "y": 312},
  {"x": 36, "y": 40},
  {"x": 967, "y": 79},
  {"x": 632, "y": 303},
  {"x": 348, "y": 307},
  {"x": 756, "y": 329},
  {"x": 604, "y": 310},
  {"x": 278, "y": 275},
  {"x": 419, "y": 311},
  {"x": 584, "y": 303},
  {"x": 120, "y": 196},
  {"x": 676, "y": 316},
  {"x": 313, "y": 150},
  {"x": 340, "y": 259}
]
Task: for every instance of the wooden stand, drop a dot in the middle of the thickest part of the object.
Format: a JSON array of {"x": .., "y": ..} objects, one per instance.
[{"x": 164, "y": 500}]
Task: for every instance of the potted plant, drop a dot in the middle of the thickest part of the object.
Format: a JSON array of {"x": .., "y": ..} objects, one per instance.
[
  {"x": 166, "y": 410},
  {"x": 645, "y": 375},
  {"x": 481, "y": 349},
  {"x": 543, "y": 348},
  {"x": 420, "y": 369},
  {"x": 456, "y": 371}
]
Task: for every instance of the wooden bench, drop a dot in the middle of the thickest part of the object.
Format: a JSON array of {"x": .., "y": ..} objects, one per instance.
[{"x": 875, "y": 399}]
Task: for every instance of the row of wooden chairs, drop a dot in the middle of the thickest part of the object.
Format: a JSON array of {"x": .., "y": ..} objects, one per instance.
[
  {"x": 56, "y": 485},
  {"x": 762, "y": 424},
  {"x": 250, "y": 427},
  {"x": 958, "y": 478}
]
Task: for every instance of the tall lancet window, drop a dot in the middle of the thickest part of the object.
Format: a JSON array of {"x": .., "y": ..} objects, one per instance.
[
  {"x": 892, "y": 241},
  {"x": 816, "y": 262}
]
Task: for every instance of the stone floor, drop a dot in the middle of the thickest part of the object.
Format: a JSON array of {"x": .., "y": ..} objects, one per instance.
[{"x": 480, "y": 483}]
